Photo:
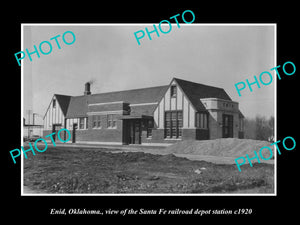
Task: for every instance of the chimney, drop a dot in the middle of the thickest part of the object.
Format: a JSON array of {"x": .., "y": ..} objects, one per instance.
[{"x": 87, "y": 90}]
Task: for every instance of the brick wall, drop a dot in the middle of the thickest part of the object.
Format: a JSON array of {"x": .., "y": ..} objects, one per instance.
[
  {"x": 157, "y": 137},
  {"x": 202, "y": 134},
  {"x": 99, "y": 135},
  {"x": 187, "y": 134},
  {"x": 215, "y": 124},
  {"x": 241, "y": 134},
  {"x": 63, "y": 136},
  {"x": 215, "y": 130},
  {"x": 115, "y": 135},
  {"x": 109, "y": 107},
  {"x": 102, "y": 134}
]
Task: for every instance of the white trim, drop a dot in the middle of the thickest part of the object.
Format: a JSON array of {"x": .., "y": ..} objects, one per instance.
[
  {"x": 141, "y": 104},
  {"x": 111, "y": 128},
  {"x": 106, "y": 112},
  {"x": 96, "y": 128},
  {"x": 173, "y": 139},
  {"x": 106, "y": 103},
  {"x": 219, "y": 99}
]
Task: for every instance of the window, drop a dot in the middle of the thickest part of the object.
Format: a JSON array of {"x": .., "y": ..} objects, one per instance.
[
  {"x": 75, "y": 126},
  {"x": 173, "y": 91},
  {"x": 111, "y": 121},
  {"x": 86, "y": 123},
  {"x": 173, "y": 124},
  {"x": 81, "y": 123},
  {"x": 167, "y": 124},
  {"x": 227, "y": 128},
  {"x": 179, "y": 123},
  {"x": 54, "y": 103},
  {"x": 201, "y": 120},
  {"x": 96, "y": 121},
  {"x": 149, "y": 128}
]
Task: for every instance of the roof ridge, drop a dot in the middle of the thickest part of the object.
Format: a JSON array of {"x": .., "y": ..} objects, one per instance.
[
  {"x": 161, "y": 86},
  {"x": 64, "y": 95},
  {"x": 79, "y": 104},
  {"x": 197, "y": 83}
]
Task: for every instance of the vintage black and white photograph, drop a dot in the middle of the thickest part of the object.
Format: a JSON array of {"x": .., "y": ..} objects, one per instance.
[{"x": 118, "y": 109}]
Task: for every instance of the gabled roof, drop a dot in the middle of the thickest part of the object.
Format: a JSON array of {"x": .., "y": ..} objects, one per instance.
[
  {"x": 78, "y": 106},
  {"x": 134, "y": 96},
  {"x": 63, "y": 101},
  {"x": 195, "y": 91}
]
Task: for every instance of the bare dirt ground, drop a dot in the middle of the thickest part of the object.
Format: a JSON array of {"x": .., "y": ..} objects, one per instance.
[
  {"x": 99, "y": 170},
  {"x": 220, "y": 151},
  {"x": 224, "y": 147}
]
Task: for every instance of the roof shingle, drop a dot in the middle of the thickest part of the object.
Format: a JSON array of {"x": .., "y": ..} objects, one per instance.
[
  {"x": 79, "y": 104},
  {"x": 195, "y": 91},
  {"x": 63, "y": 101}
]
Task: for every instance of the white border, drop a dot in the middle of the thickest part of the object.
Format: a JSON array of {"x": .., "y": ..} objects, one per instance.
[
  {"x": 145, "y": 24},
  {"x": 275, "y": 112},
  {"x": 22, "y": 111}
]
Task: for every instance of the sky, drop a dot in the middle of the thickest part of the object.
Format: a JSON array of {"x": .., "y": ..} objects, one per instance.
[{"x": 109, "y": 55}]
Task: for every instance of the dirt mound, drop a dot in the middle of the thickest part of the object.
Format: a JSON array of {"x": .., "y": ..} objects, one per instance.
[
  {"x": 170, "y": 158},
  {"x": 228, "y": 147}
]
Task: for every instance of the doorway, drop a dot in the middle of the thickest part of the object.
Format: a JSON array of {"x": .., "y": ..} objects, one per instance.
[
  {"x": 134, "y": 132},
  {"x": 74, "y": 132},
  {"x": 227, "y": 126},
  {"x": 55, "y": 128}
]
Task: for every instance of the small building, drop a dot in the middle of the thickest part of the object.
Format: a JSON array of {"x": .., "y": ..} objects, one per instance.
[
  {"x": 182, "y": 110},
  {"x": 30, "y": 130}
]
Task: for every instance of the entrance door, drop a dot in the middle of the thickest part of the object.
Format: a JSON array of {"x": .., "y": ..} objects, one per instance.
[
  {"x": 227, "y": 126},
  {"x": 135, "y": 132},
  {"x": 74, "y": 133},
  {"x": 55, "y": 128}
]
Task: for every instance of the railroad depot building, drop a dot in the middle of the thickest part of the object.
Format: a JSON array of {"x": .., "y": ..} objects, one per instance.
[{"x": 182, "y": 110}]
